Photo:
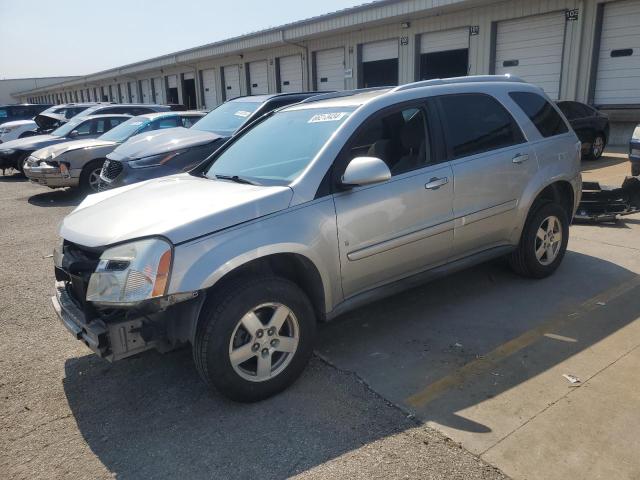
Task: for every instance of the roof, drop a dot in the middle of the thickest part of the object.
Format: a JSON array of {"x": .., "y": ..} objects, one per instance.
[
  {"x": 188, "y": 113},
  {"x": 103, "y": 115},
  {"x": 350, "y": 98}
]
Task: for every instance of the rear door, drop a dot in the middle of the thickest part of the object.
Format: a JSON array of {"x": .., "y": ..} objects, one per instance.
[
  {"x": 492, "y": 165},
  {"x": 393, "y": 229}
]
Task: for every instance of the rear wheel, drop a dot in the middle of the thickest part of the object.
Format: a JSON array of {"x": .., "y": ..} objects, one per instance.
[
  {"x": 254, "y": 338},
  {"x": 543, "y": 242},
  {"x": 90, "y": 176},
  {"x": 597, "y": 147}
]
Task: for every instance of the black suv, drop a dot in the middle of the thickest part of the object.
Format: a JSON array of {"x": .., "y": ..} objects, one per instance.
[
  {"x": 176, "y": 150},
  {"x": 591, "y": 126},
  {"x": 9, "y": 113}
]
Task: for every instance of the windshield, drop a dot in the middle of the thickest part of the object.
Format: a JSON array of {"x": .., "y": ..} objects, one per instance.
[
  {"x": 125, "y": 130},
  {"x": 279, "y": 148},
  {"x": 67, "y": 128},
  {"x": 227, "y": 118}
]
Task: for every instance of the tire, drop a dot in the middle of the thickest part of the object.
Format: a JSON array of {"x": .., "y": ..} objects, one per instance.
[
  {"x": 635, "y": 169},
  {"x": 525, "y": 260},
  {"x": 597, "y": 147},
  {"x": 20, "y": 162},
  {"x": 90, "y": 176},
  {"x": 221, "y": 332}
]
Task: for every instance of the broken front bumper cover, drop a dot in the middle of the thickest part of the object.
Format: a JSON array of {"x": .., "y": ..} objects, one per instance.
[
  {"x": 605, "y": 204},
  {"x": 112, "y": 341}
]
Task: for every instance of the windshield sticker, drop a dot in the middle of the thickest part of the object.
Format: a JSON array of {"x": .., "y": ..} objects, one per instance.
[
  {"x": 136, "y": 123},
  {"x": 242, "y": 113},
  {"x": 327, "y": 117}
]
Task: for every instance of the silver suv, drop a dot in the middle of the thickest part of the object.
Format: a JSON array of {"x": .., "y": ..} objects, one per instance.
[{"x": 316, "y": 209}]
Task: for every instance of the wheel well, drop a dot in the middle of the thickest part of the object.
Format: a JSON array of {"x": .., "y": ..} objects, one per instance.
[
  {"x": 294, "y": 267},
  {"x": 558, "y": 192}
]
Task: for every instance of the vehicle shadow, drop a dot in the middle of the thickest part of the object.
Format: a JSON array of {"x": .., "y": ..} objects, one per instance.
[
  {"x": 603, "y": 162},
  {"x": 57, "y": 198},
  {"x": 14, "y": 176},
  {"x": 433, "y": 349},
  {"x": 152, "y": 416}
]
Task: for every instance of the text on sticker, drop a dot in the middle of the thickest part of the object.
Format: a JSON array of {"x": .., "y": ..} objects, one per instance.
[{"x": 327, "y": 117}]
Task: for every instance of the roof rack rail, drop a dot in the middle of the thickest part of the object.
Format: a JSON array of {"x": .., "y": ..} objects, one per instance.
[
  {"x": 449, "y": 81},
  {"x": 343, "y": 93}
]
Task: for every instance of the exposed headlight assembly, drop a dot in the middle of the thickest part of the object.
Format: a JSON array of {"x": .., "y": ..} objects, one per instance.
[
  {"x": 155, "y": 160},
  {"x": 130, "y": 273},
  {"x": 8, "y": 151}
]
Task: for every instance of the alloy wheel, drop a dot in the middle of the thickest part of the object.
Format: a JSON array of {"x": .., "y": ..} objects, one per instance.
[
  {"x": 548, "y": 240},
  {"x": 94, "y": 180},
  {"x": 597, "y": 147},
  {"x": 264, "y": 342}
]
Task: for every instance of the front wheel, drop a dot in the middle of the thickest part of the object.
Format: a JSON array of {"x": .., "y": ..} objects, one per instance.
[
  {"x": 254, "y": 338},
  {"x": 90, "y": 176},
  {"x": 597, "y": 147},
  {"x": 543, "y": 242}
]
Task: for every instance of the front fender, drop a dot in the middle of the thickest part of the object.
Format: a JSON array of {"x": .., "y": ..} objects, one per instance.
[{"x": 308, "y": 230}]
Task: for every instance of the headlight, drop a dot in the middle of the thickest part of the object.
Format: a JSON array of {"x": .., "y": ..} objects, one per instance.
[
  {"x": 131, "y": 272},
  {"x": 636, "y": 133},
  {"x": 8, "y": 151},
  {"x": 154, "y": 160}
]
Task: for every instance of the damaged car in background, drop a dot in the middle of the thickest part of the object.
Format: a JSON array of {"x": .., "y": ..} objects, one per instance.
[{"x": 78, "y": 163}]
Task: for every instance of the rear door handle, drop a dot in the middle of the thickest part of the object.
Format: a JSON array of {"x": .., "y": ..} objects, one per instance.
[
  {"x": 436, "y": 183},
  {"x": 520, "y": 158}
]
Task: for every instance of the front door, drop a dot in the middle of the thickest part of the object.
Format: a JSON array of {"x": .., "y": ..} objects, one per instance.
[{"x": 390, "y": 230}]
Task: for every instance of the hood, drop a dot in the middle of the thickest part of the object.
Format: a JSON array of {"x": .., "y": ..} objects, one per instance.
[
  {"x": 60, "y": 148},
  {"x": 179, "y": 207},
  {"x": 49, "y": 120},
  {"x": 161, "y": 141},
  {"x": 32, "y": 143}
]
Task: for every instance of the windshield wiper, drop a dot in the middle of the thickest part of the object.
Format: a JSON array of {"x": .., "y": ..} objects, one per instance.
[{"x": 237, "y": 179}]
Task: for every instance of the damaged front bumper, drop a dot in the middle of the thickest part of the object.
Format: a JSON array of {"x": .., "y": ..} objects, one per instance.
[
  {"x": 49, "y": 175},
  {"x": 605, "y": 204},
  {"x": 112, "y": 341}
]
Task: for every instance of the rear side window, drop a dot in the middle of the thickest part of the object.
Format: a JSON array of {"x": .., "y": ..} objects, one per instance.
[
  {"x": 477, "y": 123},
  {"x": 540, "y": 112}
]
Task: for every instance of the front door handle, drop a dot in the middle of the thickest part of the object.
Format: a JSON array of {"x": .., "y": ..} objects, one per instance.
[
  {"x": 436, "y": 183},
  {"x": 520, "y": 158}
]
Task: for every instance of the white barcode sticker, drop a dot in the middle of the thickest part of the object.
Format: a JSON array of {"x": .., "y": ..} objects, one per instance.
[{"x": 327, "y": 117}]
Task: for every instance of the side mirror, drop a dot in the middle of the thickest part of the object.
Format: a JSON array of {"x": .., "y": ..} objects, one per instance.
[
  {"x": 365, "y": 171},
  {"x": 73, "y": 133}
]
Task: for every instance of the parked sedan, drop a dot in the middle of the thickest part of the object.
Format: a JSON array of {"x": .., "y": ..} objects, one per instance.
[
  {"x": 591, "y": 126},
  {"x": 44, "y": 122},
  {"x": 179, "y": 149},
  {"x": 634, "y": 152},
  {"x": 78, "y": 163},
  {"x": 14, "y": 154}
]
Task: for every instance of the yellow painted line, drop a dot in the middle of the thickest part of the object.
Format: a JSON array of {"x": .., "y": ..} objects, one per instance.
[{"x": 488, "y": 361}]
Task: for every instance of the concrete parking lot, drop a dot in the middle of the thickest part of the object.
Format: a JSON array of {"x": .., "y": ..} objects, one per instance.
[{"x": 460, "y": 378}]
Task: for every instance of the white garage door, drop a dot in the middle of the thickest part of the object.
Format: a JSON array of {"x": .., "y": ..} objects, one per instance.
[
  {"x": 531, "y": 48},
  {"x": 258, "y": 78},
  {"x": 209, "y": 88},
  {"x": 443, "y": 41},
  {"x": 384, "y": 50},
  {"x": 124, "y": 93},
  {"x": 158, "y": 90},
  {"x": 618, "y": 77},
  {"x": 291, "y": 73},
  {"x": 330, "y": 69},
  {"x": 231, "y": 81},
  {"x": 146, "y": 91}
]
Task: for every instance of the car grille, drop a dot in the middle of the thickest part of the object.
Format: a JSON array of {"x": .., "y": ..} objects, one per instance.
[
  {"x": 78, "y": 264},
  {"x": 111, "y": 169}
]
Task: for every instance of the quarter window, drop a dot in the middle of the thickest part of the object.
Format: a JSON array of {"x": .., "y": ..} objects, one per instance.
[
  {"x": 477, "y": 123},
  {"x": 399, "y": 139},
  {"x": 540, "y": 112}
]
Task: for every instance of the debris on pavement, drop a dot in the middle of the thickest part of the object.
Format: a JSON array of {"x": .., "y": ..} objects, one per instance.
[
  {"x": 571, "y": 378},
  {"x": 601, "y": 203}
]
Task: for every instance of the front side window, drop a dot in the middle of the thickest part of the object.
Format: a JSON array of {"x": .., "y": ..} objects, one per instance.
[
  {"x": 540, "y": 112},
  {"x": 68, "y": 127},
  {"x": 188, "y": 122},
  {"x": 166, "y": 122},
  {"x": 399, "y": 139},
  {"x": 278, "y": 149},
  {"x": 476, "y": 123},
  {"x": 4, "y": 112}
]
